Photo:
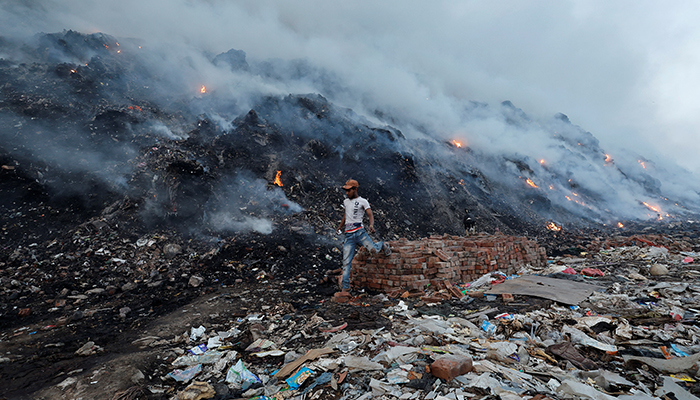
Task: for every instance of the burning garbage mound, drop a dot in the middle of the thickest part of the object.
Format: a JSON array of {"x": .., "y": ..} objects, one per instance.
[
  {"x": 93, "y": 117},
  {"x": 129, "y": 192}
]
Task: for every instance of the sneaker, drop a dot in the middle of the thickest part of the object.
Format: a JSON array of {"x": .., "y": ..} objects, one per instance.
[{"x": 387, "y": 249}]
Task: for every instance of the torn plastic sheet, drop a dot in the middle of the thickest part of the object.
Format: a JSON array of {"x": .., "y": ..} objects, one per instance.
[
  {"x": 432, "y": 325},
  {"x": 672, "y": 366},
  {"x": 190, "y": 359},
  {"x": 402, "y": 354},
  {"x": 603, "y": 378},
  {"x": 272, "y": 353},
  {"x": 239, "y": 376},
  {"x": 260, "y": 344},
  {"x": 572, "y": 389},
  {"x": 397, "y": 375},
  {"x": 379, "y": 388},
  {"x": 186, "y": 374},
  {"x": 578, "y": 336},
  {"x": 196, "y": 333},
  {"x": 670, "y": 386},
  {"x": 362, "y": 363}
]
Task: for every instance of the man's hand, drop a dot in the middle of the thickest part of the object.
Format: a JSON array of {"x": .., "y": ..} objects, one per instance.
[{"x": 371, "y": 229}]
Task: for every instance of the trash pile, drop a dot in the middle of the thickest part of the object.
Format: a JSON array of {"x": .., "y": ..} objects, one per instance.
[{"x": 560, "y": 331}]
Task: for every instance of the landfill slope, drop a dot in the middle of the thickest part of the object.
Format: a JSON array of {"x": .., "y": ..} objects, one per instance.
[{"x": 139, "y": 224}]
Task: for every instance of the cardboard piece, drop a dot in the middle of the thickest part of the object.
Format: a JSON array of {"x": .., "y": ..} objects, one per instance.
[
  {"x": 292, "y": 366},
  {"x": 560, "y": 290}
]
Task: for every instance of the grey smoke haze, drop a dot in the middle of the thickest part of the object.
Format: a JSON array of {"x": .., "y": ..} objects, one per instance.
[{"x": 624, "y": 71}]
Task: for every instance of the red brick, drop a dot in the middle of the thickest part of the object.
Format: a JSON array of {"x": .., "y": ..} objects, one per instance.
[{"x": 450, "y": 367}]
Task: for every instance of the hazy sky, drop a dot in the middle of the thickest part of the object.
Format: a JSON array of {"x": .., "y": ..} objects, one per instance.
[{"x": 628, "y": 71}]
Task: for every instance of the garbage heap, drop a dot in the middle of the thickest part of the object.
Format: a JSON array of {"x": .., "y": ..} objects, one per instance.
[
  {"x": 624, "y": 327},
  {"x": 415, "y": 264}
]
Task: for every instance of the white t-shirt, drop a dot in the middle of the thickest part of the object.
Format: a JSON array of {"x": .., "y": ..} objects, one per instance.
[{"x": 354, "y": 212}]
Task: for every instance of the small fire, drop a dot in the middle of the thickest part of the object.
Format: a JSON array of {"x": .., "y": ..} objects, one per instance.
[
  {"x": 456, "y": 143},
  {"x": 642, "y": 164},
  {"x": 203, "y": 89},
  {"x": 278, "y": 180},
  {"x": 531, "y": 183},
  {"x": 553, "y": 227},
  {"x": 652, "y": 208},
  {"x": 620, "y": 225},
  {"x": 608, "y": 159},
  {"x": 542, "y": 161}
]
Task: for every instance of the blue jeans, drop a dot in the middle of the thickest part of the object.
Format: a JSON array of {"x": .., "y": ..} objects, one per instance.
[{"x": 352, "y": 240}]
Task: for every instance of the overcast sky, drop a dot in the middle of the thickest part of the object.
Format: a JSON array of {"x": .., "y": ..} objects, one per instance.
[{"x": 627, "y": 71}]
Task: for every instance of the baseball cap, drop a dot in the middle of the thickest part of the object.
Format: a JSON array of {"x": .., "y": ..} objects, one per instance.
[{"x": 351, "y": 183}]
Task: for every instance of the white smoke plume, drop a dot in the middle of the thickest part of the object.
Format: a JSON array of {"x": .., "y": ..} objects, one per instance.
[{"x": 440, "y": 70}]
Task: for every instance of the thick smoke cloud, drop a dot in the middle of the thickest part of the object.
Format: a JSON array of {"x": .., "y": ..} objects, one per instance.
[
  {"x": 624, "y": 70},
  {"x": 440, "y": 71}
]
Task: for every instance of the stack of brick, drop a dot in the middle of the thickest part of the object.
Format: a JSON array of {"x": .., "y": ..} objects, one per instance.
[{"x": 434, "y": 260}]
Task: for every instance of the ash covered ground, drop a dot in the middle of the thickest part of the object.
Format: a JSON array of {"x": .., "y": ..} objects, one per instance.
[{"x": 125, "y": 200}]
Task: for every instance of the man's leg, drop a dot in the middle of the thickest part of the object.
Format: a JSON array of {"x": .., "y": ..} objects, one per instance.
[
  {"x": 368, "y": 243},
  {"x": 349, "y": 248}
]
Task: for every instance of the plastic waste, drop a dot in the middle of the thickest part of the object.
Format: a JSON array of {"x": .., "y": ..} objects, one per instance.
[
  {"x": 380, "y": 388},
  {"x": 362, "y": 363},
  {"x": 199, "y": 349},
  {"x": 196, "y": 333},
  {"x": 581, "y": 338},
  {"x": 670, "y": 386},
  {"x": 260, "y": 344},
  {"x": 214, "y": 342},
  {"x": 321, "y": 380},
  {"x": 186, "y": 374},
  {"x": 296, "y": 380},
  {"x": 192, "y": 359},
  {"x": 672, "y": 366},
  {"x": 488, "y": 327},
  {"x": 432, "y": 325},
  {"x": 571, "y": 388},
  {"x": 404, "y": 354},
  {"x": 605, "y": 379},
  {"x": 397, "y": 375},
  {"x": 239, "y": 376},
  {"x": 503, "y": 351},
  {"x": 592, "y": 272}
]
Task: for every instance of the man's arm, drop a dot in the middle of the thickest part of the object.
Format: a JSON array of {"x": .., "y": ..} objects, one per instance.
[
  {"x": 371, "y": 220},
  {"x": 341, "y": 227}
]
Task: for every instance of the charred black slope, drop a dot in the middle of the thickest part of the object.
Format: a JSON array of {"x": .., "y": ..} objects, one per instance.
[{"x": 88, "y": 125}]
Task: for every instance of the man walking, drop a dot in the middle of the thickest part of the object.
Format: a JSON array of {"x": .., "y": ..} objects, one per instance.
[{"x": 355, "y": 234}]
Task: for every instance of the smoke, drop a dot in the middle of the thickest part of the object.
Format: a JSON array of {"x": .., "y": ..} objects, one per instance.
[
  {"x": 438, "y": 72},
  {"x": 245, "y": 204}
]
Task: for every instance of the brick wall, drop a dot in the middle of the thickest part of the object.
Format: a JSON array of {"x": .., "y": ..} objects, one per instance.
[{"x": 415, "y": 263}]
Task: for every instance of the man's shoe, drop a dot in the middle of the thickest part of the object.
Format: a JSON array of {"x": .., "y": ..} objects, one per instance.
[{"x": 387, "y": 249}]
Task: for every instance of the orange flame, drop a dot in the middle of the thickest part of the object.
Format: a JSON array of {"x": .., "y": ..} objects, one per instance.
[
  {"x": 542, "y": 161},
  {"x": 456, "y": 143},
  {"x": 642, "y": 163},
  {"x": 203, "y": 89},
  {"x": 278, "y": 181},
  {"x": 531, "y": 183},
  {"x": 619, "y": 225},
  {"x": 553, "y": 227},
  {"x": 608, "y": 159},
  {"x": 652, "y": 208}
]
